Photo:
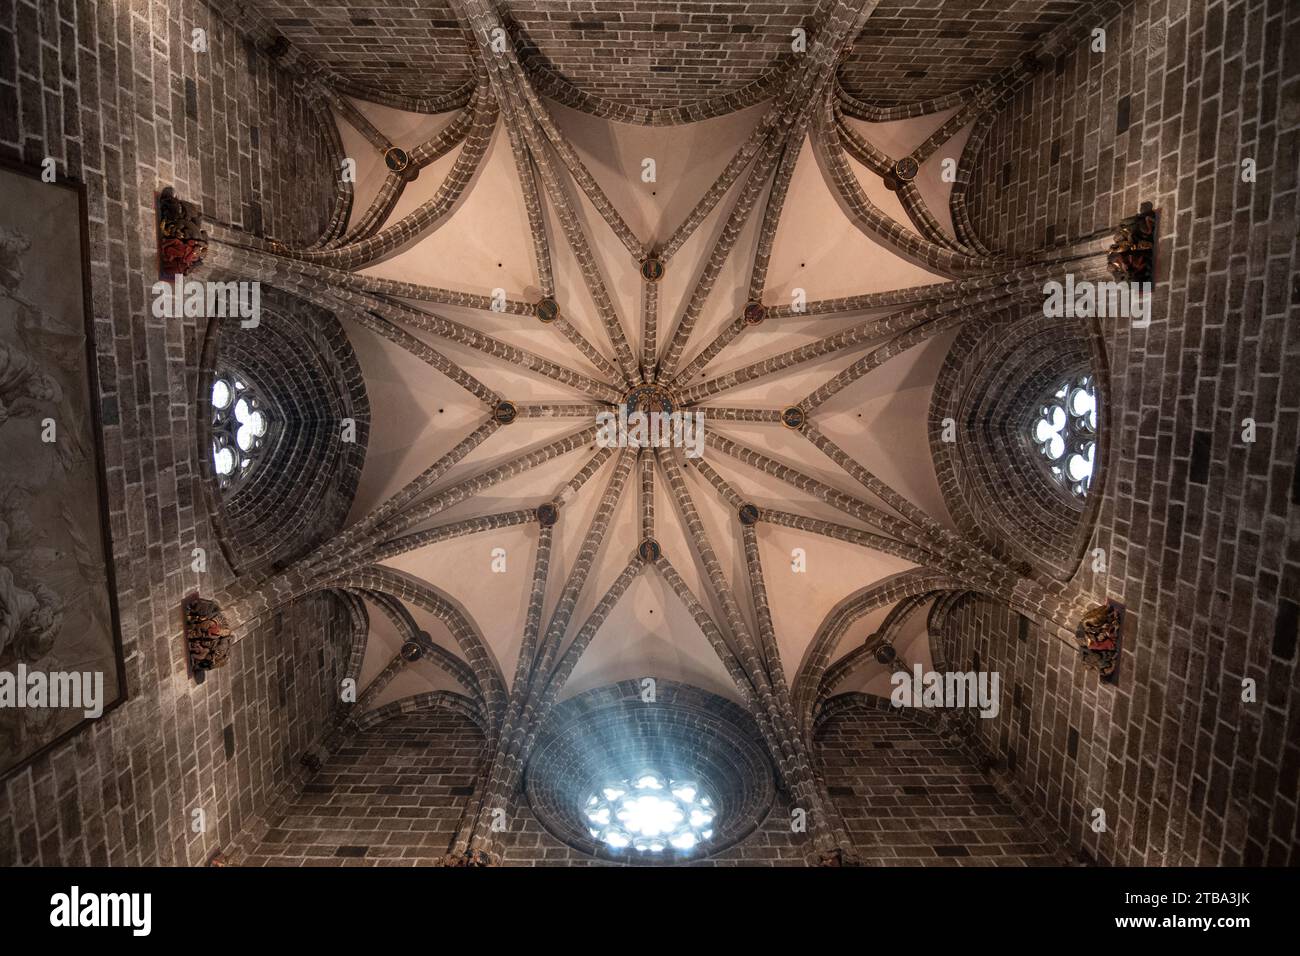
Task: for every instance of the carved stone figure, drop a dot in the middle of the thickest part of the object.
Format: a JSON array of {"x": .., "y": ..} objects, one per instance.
[
  {"x": 182, "y": 241},
  {"x": 1099, "y": 634},
  {"x": 207, "y": 635},
  {"x": 1132, "y": 256}
]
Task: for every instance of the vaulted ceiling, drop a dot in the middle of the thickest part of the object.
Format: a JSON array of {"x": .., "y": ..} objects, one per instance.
[
  {"x": 793, "y": 265},
  {"x": 485, "y": 244}
]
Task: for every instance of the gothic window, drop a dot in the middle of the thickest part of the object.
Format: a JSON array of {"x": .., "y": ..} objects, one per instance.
[
  {"x": 1065, "y": 434},
  {"x": 240, "y": 424},
  {"x": 650, "y": 813}
]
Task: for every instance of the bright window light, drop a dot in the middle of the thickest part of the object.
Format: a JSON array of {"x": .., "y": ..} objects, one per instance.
[{"x": 650, "y": 813}]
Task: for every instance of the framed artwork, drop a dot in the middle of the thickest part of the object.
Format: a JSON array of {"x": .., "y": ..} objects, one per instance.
[{"x": 61, "y": 663}]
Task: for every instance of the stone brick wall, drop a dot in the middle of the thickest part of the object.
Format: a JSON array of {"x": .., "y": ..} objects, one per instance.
[
  {"x": 654, "y": 61},
  {"x": 394, "y": 796},
  {"x": 910, "y": 51},
  {"x": 1044, "y": 735},
  {"x": 115, "y": 93},
  {"x": 1198, "y": 528},
  {"x": 908, "y": 798}
]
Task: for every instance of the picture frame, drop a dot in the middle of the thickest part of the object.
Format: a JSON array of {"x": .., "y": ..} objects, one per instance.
[{"x": 58, "y": 584}]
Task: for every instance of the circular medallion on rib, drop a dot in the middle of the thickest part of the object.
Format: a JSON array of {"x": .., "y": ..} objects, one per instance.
[
  {"x": 649, "y": 773},
  {"x": 906, "y": 169},
  {"x": 396, "y": 159},
  {"x": 652, "y": 268},
  {"x": 649, "y": 398}
]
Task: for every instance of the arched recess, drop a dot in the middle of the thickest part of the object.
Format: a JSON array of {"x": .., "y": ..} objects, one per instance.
[
  {"x": 469, "y": 638},
  {"x": 300, "y": 363},
  {"x": 432, "y": 700},
  {"x": 610, "y": 734},
  {"x": 821, "y": 649},
  {"x": 819, "y": 656},
  {"x": 851, "y": 701},
  {"x": 986, "y": 397}
]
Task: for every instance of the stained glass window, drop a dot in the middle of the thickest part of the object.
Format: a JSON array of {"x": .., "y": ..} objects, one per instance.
[
  {"x": 650, "y": 813},
  {"x": 239, "y": 428},
  {"x": 1065, "y": 433}
]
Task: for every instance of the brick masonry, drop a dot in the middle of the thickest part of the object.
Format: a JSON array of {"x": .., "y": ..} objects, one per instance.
[
  {"x": 909, "y": 798},
  {"x": 115, "y": 93},
  {"x": 643, "y": 59},
  {"x": 912, "y": 51},
  {"x": 395, "y": 794},
  {"x": 1200, "y": 531}
]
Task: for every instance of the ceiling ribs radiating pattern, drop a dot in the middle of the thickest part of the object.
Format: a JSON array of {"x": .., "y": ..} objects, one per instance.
[{"x": 699, "y": 530}]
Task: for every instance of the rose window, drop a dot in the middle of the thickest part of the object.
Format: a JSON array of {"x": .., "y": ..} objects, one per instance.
[
  {"x": 1065, "y": 433},
  {"x": 239, "y": 428},
  {"x": 650, "y": 814}
]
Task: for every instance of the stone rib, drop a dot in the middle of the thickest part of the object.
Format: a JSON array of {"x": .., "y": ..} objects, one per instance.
[
  {"x": 792, "y": 757},
  {"x": 348, "y": 546},
  {"x": 726, "y": 240},
  {"x": 771, "y": 653},
  {"x": 944, "y": 320},
  {"x": 710, "y": 351},
  {"x": 444, "y": 328},
  {"x": 582, "y": 640},
  {"x": 869, "y": 112},
  {"x": 425, "y": 353},
  {"x": 414, "y": 591},
  {"x": 720, "y": 186},
  {"x": 582, "y": 565},
  {"x": 447, "y": 700},
  {"x": 893, "y": 499},
  {"x": 389, "y": 288},
  {"x": 712, "y": 633},
  {"x": 842, "y": 669},
  {"x": 866, "y": 539},
  {"x": 646, "y": 459},
  {"x": 768, "y": 416},
  {"x": 871, "y": 221},
  {"x": 406, "y": 543},
  {"x": 344, "y": 190},
  {"x": 792, "y": 108},
  {"x": 895, "y": 527},
  {"x": 832, "y": 629},
  {"x": 394, "y": 237},
  {"x": 584, "y": 474},
  {"x": 855, "y": 337},
  {"x": 649, "y": 330},
  {"x": 560, "y": 410},
  {"x": 508, "y": 79},
  {"x": 916, "y": 295},
  {"x": 723, "y": 487},
  {"x": 394, "y": 184},
  {"x": 569, "y": 157},
  {"x": 772, "y": 217},
  {"x": 594, "y": 355},
  {"x": 532, "y": 619}
]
